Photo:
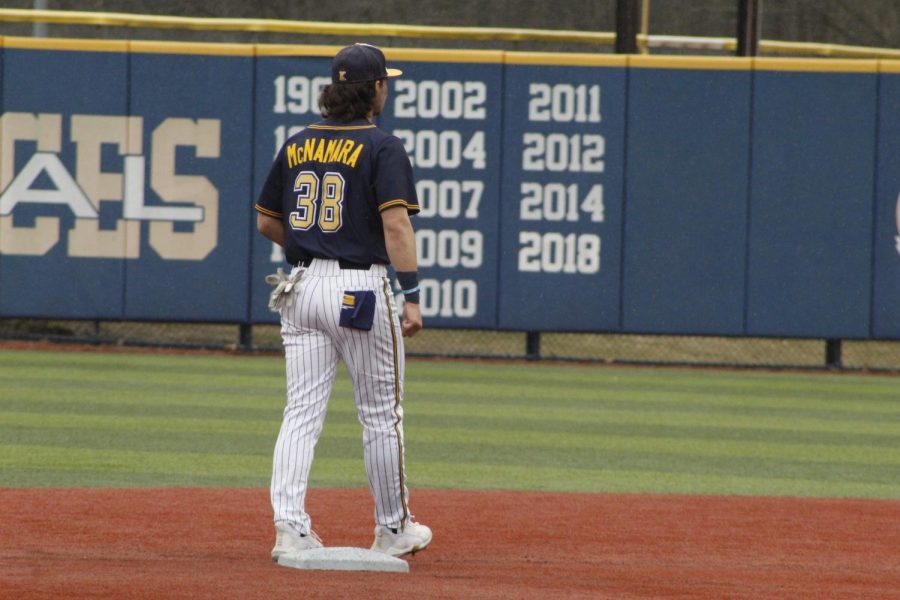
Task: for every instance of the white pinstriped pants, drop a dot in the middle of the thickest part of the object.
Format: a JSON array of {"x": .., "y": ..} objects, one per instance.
[{"x": 314, "y": 344}]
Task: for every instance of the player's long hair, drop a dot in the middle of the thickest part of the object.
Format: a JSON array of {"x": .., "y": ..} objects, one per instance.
[{"x": 347, "y": 101}]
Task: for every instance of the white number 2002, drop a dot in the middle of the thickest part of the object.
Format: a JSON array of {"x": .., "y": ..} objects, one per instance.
[{"x": 446, "y": 99}]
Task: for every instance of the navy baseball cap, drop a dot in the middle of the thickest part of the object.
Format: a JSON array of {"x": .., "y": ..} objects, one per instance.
[{"x": 360, "y": 63}]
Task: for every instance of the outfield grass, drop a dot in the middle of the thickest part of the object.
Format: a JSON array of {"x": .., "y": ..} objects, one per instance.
[{"x": 108, "y": 419}]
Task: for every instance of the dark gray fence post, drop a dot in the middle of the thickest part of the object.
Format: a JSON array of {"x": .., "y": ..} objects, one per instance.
[
  {"x": 532, "y": 345},
  {"x": 748, "y": 27},
  {"x": 245, "y": 336},
  {"x": 628, "y": 20},
  {"x": 833, "y": 354}
]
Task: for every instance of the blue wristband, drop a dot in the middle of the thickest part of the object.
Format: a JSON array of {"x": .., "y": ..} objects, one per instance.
[
  {"x": 408, "y": 279},
  {"x": 409, "y": 285}
]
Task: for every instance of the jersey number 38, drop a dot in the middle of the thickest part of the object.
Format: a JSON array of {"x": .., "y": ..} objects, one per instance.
[{"x": 329, "y": 190}]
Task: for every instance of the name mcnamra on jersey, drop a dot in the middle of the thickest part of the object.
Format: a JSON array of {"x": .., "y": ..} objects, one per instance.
[{"x": 321, "y": 150}]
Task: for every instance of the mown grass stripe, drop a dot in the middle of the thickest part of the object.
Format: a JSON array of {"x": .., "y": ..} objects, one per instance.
[
  {"x": 19, "y": 393},
  {"x": 152, "y": 405},
  {"x": 478, "y": 409},
  {"x": 813, "y": 453},
  {"x": 575, "y": 375},
  {"x": 151, "y": 441},
  {"x": 255, "y": 401},
  {"x": 872, "y": 449},
  {"x": 546, "y": 414},
  {"x": 101, "y": 425},
  {"x": 61, "y": 478},
  {"x": 882, "y": 400},
  {"x": 139, "y": 423},
  {"x": 686, "y": 380},
  {"x": 122, "y": 363},
  {"x": 347, "y": 471},
  {"x": 115, "y": 389},
  {"x": 562, "y": 429},
  {"x": 122, "y": 460},
  {"x": 686, "y": 461},
  {"x": 444, "y": 474}
]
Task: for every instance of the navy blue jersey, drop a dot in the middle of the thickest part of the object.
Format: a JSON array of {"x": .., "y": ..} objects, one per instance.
[{"x": 329, "y": 184}]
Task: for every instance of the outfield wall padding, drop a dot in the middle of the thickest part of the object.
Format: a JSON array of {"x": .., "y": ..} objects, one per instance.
[{"x": 560, "y": 192}]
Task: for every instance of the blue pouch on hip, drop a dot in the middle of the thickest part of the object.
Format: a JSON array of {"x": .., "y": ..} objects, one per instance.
[{"x": 358, "y": 310}]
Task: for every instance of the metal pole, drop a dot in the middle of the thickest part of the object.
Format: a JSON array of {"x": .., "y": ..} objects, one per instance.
[
  {"x": 645, "y": 26},
  {"x": 748, "y": 27},
  {"x": 628, "y": 20},
  {"x": 40, "y": 29}
]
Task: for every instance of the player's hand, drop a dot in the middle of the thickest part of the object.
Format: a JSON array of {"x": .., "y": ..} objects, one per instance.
[{"x": 412, "y": 319}]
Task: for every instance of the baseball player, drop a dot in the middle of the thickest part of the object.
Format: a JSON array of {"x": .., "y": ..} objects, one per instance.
[{"x": 338, "y": 199}]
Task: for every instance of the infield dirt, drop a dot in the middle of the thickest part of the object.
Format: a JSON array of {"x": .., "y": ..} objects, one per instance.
[{"x": 215, "y": 543}]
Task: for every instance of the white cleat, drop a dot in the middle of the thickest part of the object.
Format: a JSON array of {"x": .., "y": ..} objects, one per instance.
[
  {"x": 288, "y": 540},
  {"x": 413, "y": 538}
]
